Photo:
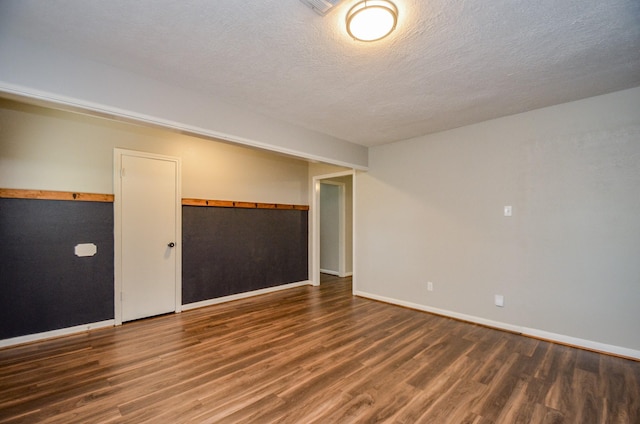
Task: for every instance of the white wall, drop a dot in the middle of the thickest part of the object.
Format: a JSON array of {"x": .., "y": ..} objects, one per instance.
[
  {"x": 46, "y": 149},
  {"x": 34, "y": 71},
  {"x": 567, "y": 261}
]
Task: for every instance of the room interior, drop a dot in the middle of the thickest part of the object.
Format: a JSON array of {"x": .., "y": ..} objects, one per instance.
[{"x": 491, "y": 154}]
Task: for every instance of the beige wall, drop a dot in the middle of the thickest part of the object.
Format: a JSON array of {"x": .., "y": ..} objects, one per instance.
[
  {"x": 567, "y": 261},
  {"x": 318, "y": 168},
  {"x": 31, "y": 70},
  {"x": 47, "y": 149}
]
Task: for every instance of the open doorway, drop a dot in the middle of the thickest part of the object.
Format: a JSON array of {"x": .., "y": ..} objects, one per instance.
[{"x": 332, "y": 226}]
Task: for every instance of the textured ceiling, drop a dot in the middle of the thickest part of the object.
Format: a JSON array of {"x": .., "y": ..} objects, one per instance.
[{"x": 449, "y": 63}]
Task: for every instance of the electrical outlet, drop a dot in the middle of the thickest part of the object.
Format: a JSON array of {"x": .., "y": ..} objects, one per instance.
[
  {"x": 429, "y": 286},
  {"x": 499, "y": 300}
]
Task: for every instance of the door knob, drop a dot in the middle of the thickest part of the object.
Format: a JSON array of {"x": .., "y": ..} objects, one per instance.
[{"x": 171, "y": 244}]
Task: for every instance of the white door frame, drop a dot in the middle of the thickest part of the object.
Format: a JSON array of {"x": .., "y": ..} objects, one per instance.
[
  {"x": 117, "y": 231},
  {"x": 315, "y": 224},
  {"x": 341, "y": 226}
]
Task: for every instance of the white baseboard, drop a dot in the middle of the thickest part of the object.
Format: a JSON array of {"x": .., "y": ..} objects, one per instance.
[
  {"x": 110, "y": 323},
  {"x": 525, "y": 331},
  {"x": 336, "y": 273},
  {"x": 244, "y": 295},
  {"x": 56, "y": 333}
]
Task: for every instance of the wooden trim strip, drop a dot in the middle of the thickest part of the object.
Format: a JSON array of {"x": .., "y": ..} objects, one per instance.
[
  {"x": 244, "y": 205},
  {"x": 266, "y": 206},
  {"x": 204, "y": 202},
  {"x": 10, "y": 193}
]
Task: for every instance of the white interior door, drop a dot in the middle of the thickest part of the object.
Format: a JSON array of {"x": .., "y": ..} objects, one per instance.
[{"x": 148, "y": 235}]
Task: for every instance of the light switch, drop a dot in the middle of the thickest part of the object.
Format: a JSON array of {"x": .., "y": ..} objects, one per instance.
[
  {"x": 507, "y": 211},
  {"x": 85, "y": 249}
]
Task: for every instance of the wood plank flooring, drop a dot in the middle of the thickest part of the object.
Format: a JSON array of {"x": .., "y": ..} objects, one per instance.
[{"x": 311, "y": 355}]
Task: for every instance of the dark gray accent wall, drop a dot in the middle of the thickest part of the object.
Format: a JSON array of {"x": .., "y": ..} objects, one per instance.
[
  {"x": 227, "y": 251},
  {"x": 44, "y": 286}
]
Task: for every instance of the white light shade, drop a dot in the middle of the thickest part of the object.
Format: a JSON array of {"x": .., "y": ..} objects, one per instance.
[{"x": 372, "y": 20}]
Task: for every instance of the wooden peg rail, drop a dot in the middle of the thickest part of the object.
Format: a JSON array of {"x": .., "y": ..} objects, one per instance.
[
  {"x": 8, "y": 193},
  {"x": 245, "y": 205}
]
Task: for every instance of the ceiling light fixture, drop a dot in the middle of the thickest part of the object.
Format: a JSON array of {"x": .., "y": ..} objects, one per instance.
[{"x": 372, "y": 20}]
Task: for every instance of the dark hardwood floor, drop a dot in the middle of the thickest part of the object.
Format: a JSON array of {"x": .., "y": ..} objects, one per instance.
[{"x": 311, "y": 355}]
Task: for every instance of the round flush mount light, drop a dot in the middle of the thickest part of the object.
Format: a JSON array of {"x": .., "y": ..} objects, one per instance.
[{"x": 372, "y": 20}]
